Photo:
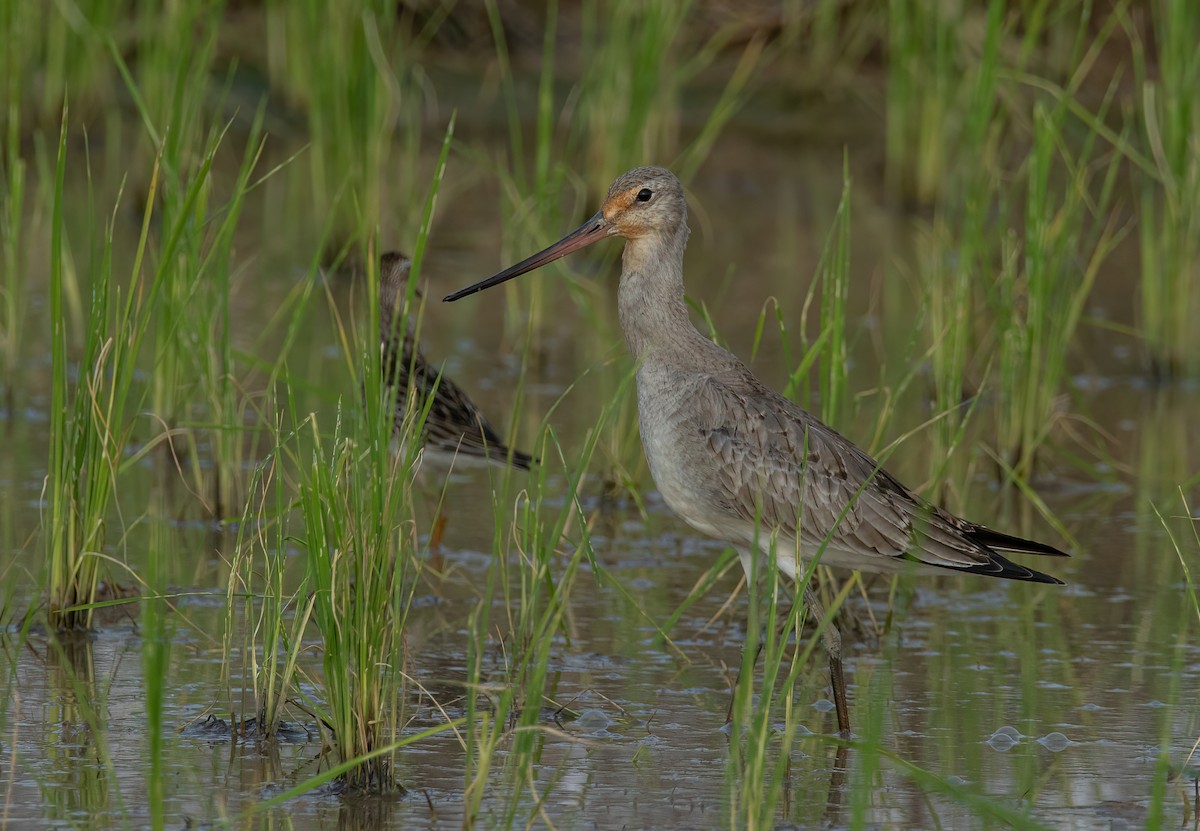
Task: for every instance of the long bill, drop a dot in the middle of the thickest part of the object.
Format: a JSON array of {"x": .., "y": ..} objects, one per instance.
[{"x": 591, "y": 231}]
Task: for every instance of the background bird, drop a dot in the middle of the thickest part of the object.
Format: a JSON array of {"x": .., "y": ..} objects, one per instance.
[{"x": 455, "y": 432}]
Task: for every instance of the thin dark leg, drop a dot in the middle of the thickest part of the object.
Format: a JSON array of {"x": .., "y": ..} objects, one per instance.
[
  {"x": 833, "y": 645},
  {"x": 832, "y": 639},
  {"x": 737, "y": 680}
]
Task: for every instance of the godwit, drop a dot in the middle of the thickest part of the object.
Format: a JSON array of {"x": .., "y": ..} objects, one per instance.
[
  {"x": 740, "y": 462},
  {"x": 455, "y": 431}
]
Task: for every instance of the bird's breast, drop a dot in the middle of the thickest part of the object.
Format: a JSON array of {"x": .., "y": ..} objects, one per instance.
[{"x": 676, "y": 450}]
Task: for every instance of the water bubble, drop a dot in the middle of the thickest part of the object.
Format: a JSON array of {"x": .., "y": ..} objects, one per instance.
[
  {"x": 593, "y": 720},
  {"x": 1001, "y": 743},
  {"x": 1004, "y": 739},
  {"x": 1055, "y": 742},
  {"x": 823, "y": 705}
]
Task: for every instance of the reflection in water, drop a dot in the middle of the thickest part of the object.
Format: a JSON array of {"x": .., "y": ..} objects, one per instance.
[
  {"x": 1165, "y": 461},
  {"x": 837, "y": 786},
  {"x": 365, "y": 813},
  {"x": 80, "y": 783}
]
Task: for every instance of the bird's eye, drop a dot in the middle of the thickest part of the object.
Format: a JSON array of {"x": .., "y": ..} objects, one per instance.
[{"x": 644, "y": 195}]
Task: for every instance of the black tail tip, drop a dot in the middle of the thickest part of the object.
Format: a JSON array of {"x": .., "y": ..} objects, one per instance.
[
  {"x": 522, "y": 461},
  {"x": 1010, "y": 544}
]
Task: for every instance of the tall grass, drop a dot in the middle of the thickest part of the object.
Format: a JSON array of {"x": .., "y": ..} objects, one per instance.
[
  {"x": 52, "y": 50},
  {"x": 226, "y": 399},
  {"x": 629, "y": 91},
  {"x": 13, "y": 290},
  {"x": 936, "y": 63},
  {"x": 171, "y": 301},
  {"x": 924, "y": 72},
  {"x": 362, "y": 549},
  {"x": 260, "y": 598},
  {"x": 1170, "y": 223},
  {"x": 89, "y": 421},
  {"x": 362, "y": 546},
  {"x": 833, "y": 274},
  {"x": 960, "y": 252},
  {"x": 12, "y": 201},
  {"x": 944, "y": 108},
  {"x": 637, "y": 60},
  {"x": 172, "y": 67},
  {"x": 1042, "y": 291},
  {"x": 828, "y": 38},
  {"x": 1034, "y": 281},
  {"x": 193, "y": 359},
  {"x": 350, "y": 69}
]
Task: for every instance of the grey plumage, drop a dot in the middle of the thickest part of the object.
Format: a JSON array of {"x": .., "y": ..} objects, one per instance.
[
  {"x": 773, "y": 461},
  {"x": 737, "y": 460},
  {"x": 727, "y": 451}
]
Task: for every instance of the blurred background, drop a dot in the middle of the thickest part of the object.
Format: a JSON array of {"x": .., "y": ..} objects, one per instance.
[{"x": 964, "y": 232}]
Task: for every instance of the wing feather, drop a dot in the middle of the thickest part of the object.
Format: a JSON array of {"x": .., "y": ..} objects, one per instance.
[{"x": 782, "y": 467}]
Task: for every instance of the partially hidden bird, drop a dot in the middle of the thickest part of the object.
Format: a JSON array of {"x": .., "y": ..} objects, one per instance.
[
  {"x": 455, "y": 433},
  {"x": 742, "y": 463}
]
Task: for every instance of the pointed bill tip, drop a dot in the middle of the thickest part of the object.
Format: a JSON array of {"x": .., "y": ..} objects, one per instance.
[{"x": 591, "y": 231}]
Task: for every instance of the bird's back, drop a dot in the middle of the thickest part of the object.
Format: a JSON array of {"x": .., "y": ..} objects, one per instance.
[{"x": 454, "y": 429}]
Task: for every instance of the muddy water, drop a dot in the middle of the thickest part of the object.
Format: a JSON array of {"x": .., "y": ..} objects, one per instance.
[{"x": 1053, "y": 702}]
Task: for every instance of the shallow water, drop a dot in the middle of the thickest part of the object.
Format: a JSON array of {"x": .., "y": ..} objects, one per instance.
[
  {"x": 1072, "y": 734},
  {"x": 1053, "y": 702}
]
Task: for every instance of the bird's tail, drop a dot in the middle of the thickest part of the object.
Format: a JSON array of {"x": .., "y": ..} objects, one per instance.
[{"x": 1010, "y": 544}]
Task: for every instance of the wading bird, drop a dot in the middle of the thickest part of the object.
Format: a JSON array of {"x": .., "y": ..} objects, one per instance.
[
  {"x": 742, "y": 463},
  {"x": 455, "y": 432}
]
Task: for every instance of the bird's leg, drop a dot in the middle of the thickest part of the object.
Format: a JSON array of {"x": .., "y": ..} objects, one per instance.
[
  {"x": 746, "y": 557},
  {"x": 762, "y": 644},
  {"x": 438, "y": 531},
  {"x": 437, "y": 559},
  {"x": 737, "y": 680},
  {"x": 833, "y": 645},
  {"x": 831, "y": 637}
]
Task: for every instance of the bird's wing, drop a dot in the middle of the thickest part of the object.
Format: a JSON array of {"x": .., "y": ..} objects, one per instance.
[
  {"x": 454, "y": 424},
  {"x": 782, "y": 467}
]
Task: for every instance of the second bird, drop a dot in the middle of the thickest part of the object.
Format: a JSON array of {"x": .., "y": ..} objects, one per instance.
[{"x": 455, "y": 432}]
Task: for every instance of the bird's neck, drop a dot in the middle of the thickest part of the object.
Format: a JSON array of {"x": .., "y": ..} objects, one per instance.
[{"x": 650, "y": 300}]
